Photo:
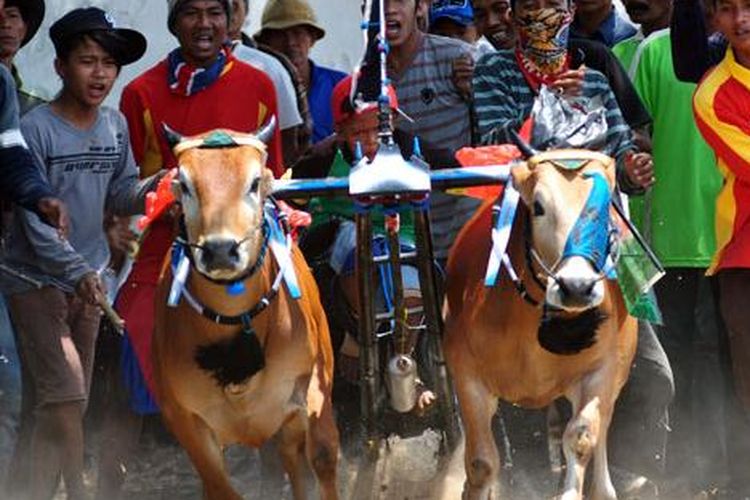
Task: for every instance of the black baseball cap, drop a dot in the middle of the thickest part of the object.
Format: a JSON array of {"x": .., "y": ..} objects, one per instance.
[{"x": 124, "y": 45}]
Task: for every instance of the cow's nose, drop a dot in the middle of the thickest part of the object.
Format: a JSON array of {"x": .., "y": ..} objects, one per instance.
[
  {"x": 576, "y": 287},
  {"x": 220, "y": 254}
]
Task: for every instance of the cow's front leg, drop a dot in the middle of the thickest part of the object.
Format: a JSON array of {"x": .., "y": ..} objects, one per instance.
[
  {"x": 579, "y": 441},
  {"x": 481, "y": 458},
  {"x": 291, "y": 441},
  {"x": 322, "y": 440},
  {"x": 204, "y": 451}
]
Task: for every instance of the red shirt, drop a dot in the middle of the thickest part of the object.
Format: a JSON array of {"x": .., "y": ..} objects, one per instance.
[
  {"x": 722, "y": 113},
  {"x": 241, "y": 99}
]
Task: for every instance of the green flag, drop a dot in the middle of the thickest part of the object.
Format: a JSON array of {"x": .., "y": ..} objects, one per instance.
[{"x": 638, "y": 270}]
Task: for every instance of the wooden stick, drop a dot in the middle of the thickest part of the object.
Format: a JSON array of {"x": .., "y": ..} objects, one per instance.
[{"x": 111, "y": 314}]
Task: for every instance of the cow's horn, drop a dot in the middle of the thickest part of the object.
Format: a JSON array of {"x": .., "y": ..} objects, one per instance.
[
  {"x": 526, "y": 150},
  {"x": 265, "y": 133},
  {"x": 173, "y": 138}
]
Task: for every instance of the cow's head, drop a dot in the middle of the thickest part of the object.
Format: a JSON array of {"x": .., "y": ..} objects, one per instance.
[
  {"x": 222, "y": 185},
  {"x": 568, "y": 194}
]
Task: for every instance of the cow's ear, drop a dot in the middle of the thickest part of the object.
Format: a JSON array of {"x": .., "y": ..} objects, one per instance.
[
  {"x": 522, "y": 175},
  {"x": 610, "y": 170},
  {"x": 266, "y": 183},
  {"x": 173, "y": 138}
]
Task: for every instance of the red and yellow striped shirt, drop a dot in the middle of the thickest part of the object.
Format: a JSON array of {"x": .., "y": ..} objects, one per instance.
[{"x": 722, "y": 112}]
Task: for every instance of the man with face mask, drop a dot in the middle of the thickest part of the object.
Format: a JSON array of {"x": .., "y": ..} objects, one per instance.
[
  {"x": 506, "y": 84},
  {"x": 494, "y": 22}
]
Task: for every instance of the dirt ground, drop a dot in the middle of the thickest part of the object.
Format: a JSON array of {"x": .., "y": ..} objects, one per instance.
[{"x": 410, "y": 468}]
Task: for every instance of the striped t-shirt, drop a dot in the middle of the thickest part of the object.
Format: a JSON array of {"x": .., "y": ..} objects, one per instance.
[
  {"x": 442, "y": 118},
  {"x": 503, "y": 101}
]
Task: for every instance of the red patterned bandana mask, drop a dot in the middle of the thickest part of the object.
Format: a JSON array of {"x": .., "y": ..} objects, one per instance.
[{"x": 542, "y": 47}]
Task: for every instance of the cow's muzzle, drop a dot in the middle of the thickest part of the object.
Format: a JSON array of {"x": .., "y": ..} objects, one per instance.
[{"x": 220, "y": 254}]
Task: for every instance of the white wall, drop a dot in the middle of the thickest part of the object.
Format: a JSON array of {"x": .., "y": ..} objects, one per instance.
[{"x": 340, "y": 48}]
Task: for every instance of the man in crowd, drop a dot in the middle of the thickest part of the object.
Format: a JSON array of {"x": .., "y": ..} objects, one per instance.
[
  {"x": 506, "y": 84},
  {"x": 719, "y": 104},
  {"x": 303, "y": 131},
  {"x": 453, "y": 21},
  {"x": 289, "y": 116},
  {"x": 19, "y": 22},
  {"x": 291, "y": 27},
  {"x": 82, "y": 148},
  {"x": 677, "y": 217},
  {"x": 199, "y": 86},
  {"x": 495, "y": 23},
  {"x": 437, "y": 98},
  {"x": 19, "y": 25},
  {"x": 599, "y": 20}
]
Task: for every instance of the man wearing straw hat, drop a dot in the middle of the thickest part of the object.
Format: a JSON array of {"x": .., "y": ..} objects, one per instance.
[
  {"x": 19, "y": 25},
  {"x": 291, "y": 27}
]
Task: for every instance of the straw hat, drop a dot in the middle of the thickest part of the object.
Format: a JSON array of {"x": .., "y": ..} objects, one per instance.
[
  {"x": 282, "y": 14},
  {"x": 32, "y": 12}
]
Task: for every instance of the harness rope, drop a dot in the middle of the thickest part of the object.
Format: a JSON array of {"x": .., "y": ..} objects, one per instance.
[
  {"x": 246, "y": 317},
  {"x": 531, "y": 256}
]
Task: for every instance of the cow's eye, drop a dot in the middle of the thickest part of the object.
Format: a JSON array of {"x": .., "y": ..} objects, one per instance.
[
  {"x": 538, "y": 209},
  {"x": 254, "y": 186},
  {"x": 184, "y": 189}
]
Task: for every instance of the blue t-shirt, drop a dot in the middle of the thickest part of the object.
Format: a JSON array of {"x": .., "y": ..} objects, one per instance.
[
  {"x": 322, "y": 82},
  {"x": 613, "y": 30}
]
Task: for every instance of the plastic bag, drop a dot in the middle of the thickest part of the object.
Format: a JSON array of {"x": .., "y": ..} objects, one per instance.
[
  {"x": 482, "y": 157},
  {"x": 562, "y": 122}
]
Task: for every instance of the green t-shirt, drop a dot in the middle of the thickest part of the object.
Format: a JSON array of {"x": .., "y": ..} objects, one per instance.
[
  {"x": 682, "y": 203},
  {"x": 323, "y": 210}
]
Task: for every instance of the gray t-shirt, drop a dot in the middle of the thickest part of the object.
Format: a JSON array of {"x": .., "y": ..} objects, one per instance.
[
  {"x": 286, "y": 98},
  {"x": 442, "y": 117},
  {"x": 91, "y": 171}
]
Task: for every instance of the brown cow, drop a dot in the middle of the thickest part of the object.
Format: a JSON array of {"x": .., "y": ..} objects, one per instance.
[
  {"x": 494, "y": 336},
  {"x": 219, "y": 384}
]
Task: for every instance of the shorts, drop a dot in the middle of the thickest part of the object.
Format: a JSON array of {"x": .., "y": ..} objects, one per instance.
[
  {"x": 343, "y": 257},
  {"x": 57, "y": 334}
]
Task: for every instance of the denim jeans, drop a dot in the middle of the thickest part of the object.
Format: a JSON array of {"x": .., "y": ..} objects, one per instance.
[
  {"x": 695, "y": 340},
  {"x": 10, "y": 389},
  {"x": 640, "y": 424}
]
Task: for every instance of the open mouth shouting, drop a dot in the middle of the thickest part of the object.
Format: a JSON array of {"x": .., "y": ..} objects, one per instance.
[{"x": 392, "y": 29}]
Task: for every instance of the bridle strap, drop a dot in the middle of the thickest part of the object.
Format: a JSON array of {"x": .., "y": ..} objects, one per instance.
[
  {"x": 241, "y": 319},
  {"x": 246, "y": 317},
  {"x": 518, "y": 283},
  {"x": 183, "y": 241}
]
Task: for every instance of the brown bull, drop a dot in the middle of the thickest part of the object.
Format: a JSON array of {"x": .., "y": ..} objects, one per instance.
[
  {"x": 256, "y": 372},
  {"x": 495, "y": 336}
]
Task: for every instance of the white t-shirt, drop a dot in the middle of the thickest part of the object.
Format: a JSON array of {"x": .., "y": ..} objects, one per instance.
[{"x": 286, "y": 98}]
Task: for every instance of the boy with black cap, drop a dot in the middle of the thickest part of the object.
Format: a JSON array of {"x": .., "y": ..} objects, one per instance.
[{"x": 84, "y": 151}]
